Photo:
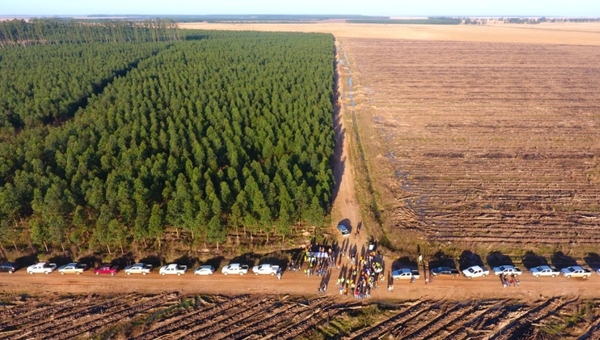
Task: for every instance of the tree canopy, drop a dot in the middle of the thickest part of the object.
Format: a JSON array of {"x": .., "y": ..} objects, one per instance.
[{"x": 234, "y": 130}]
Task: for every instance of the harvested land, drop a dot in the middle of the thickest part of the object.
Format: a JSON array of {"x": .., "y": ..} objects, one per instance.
[
  {"x": 484, "y": 142},
  {"x": 547, "y": 33},
  {"x": 174, "y": 315}
]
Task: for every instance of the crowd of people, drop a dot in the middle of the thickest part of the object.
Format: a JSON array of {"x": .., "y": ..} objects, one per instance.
[
  {"x": 509, "y": 280},
  {"x": 360, "y": 271}
]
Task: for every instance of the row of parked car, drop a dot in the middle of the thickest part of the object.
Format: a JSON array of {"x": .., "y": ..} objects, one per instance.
[
  {"x": 539, "y": 271},
  {"x": 140, "y": 268},
  {"x": 479, "y": 271}
]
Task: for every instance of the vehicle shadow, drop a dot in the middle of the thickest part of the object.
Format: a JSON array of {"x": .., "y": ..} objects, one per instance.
[
  {"x": 27, "y": 260},
  {"x": 347, "y": 223},
  {"x": 92, "y": 261},
  {"x": 560, "y": 260},
  {"x": 215, "y": 262},
  {"x": 592, "y": 260},
  {"x": 274, "y": 260},
  {"x": 154, "y": 260},
  {"x": 123, "y": 261},
  {"x": 468, "y": 258},
  {"x": 531, "y": 260},
  {"x": 60, "y": 259},
  {"x": 441, "y": 259},
  {"x": 187, "y": 261},
  {"x": 405, "y": 262},
  {"x": 497, "y": 258},
  {"x": 248, "y": 258}
]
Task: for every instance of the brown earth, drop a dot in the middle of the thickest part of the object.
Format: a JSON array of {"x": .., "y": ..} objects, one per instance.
[
  {"x": 484, "y": 143},
  {"x": 545, "y": 33}
]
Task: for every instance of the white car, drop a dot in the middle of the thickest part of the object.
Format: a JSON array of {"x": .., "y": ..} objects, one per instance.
[
  {"x": 204, "y": 270},
  {"x": 41, "y": 268},
  {"x": 138, "y": 268},
  {"x": 544, "y": 271},
  {"x": 507, "y": 270},
  {"x": 235, "y": 268},
  {"x": 475, "y": 271},
  {"x": 172, "y": 269},
  {"x": 265, "y": 269},
  {"x": 576, "y": 271},
  {"x": 72, "y": 268}
]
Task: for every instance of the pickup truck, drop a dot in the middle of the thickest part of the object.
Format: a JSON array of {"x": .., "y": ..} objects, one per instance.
[
  {"x": 405, "y": 273},
  {"x": 172, "y": 268},
  {"x": 544, "y": 271},
  {"x": 444, "y": 271},
  {"x": 42, "y": 267},
  {"x": 138, "y": 268},
  {"x": 72, "y": 268},
  {"x": 507, "y": 270},
  {"x": 265, "y": 269},
  {"x": 235, "y": 268},
  {"x": 575, "y": 271},
  {"x": 475, "y": 271}
]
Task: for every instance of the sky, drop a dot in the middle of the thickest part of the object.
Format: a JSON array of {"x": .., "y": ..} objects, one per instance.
[{"x": 560, "y": 8}]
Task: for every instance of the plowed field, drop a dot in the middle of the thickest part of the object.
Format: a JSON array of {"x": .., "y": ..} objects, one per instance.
[
  {"x": 487, "y": 142},
  {"x": 174, "y": 316}
]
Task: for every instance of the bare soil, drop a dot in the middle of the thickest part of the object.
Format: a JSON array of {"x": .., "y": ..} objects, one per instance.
[
  {"x": 545, "y": 33},
  {"x": 484, "y": 142}
]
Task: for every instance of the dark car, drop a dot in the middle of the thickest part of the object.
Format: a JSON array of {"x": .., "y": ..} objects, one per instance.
[
  {"x": 8, "y": 267},
  {"x": 444, "y": 271}
]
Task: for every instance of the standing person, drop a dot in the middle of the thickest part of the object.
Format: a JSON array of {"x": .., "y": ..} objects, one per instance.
[{"x": 279, "y": 272}]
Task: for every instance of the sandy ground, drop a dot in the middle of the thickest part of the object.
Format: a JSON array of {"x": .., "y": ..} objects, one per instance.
[
  {"x": 295, "y": 283},
  {"x": 546, "y": 33}
]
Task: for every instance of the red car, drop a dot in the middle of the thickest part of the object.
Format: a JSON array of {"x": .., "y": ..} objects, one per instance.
[{"x": 106, "y": 269}]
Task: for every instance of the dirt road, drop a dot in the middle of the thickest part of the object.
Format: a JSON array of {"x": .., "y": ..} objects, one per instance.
[{"x": 297, "y": 283}]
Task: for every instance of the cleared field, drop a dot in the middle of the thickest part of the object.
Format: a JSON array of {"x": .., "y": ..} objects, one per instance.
[
  {"x": 547, "y": 33},
  {"x": 171, "y": 315},
  {"x": 489, "y": 142}
]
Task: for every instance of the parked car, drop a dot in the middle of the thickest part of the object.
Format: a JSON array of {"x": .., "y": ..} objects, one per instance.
[
  {"x": 107, "y": 269},
  {"x": 138, "y": 268},
  {"x": 72, "y": 268},
  {"x": 475, "y": 271},
  {"x": 204, "y": 270},
  {"x": 173, "y": 269},
  {"x": 405, "y": 273},
  {"x": 235, "y": 268},
  {"x": 507, "y": 270},
  {"x": 41, "y": 268},
  {"x": 544, "y": 271},
  {"x": 265, "y": 269},
  {"x": 444, "y": 271},
  {"x": 576, "y": 271},
  {"x": 8, "y": 267},
  {"x": 343, "y": 230}
]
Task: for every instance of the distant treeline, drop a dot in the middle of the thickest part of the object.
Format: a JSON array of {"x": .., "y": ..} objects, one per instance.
[
  {"x": 544, "y": 19},
  {"x": 428, "y": 21},
  {"x": 241, "y": 18},
  {"x": 56, "y": 31}
]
